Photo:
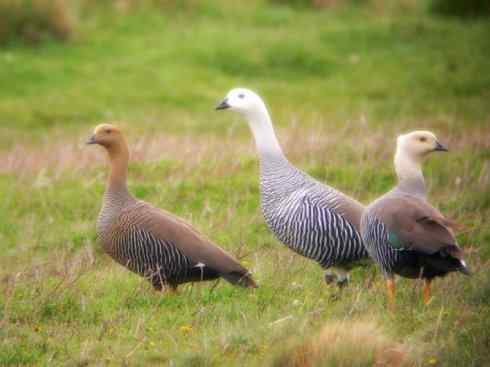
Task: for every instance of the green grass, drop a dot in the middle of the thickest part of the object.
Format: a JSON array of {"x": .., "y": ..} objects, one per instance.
[{"x": 341, "y": 84}]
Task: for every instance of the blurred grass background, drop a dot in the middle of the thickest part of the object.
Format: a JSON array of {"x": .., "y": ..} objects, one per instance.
[{"x": 341, "y": 78}]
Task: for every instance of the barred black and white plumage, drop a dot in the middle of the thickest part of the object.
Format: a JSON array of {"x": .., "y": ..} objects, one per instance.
[
  {"x": 311, "y": 218},
  {"x": 375, "y": 238},
  {"x": 305, "y": 215}
]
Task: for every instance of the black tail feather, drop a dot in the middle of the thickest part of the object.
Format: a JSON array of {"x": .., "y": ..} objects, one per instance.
[{"x": 440, "y": 264}]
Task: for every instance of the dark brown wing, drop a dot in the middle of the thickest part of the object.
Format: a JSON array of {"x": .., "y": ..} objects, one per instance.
[{"x": 193, "y": 244}]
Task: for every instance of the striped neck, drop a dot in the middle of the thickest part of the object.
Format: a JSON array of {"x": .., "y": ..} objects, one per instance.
[
  {"x": 265, "y": 138},
  {"x": 409, "y": 173}
]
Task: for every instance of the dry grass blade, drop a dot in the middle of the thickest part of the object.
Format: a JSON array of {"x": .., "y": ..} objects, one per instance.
[{"x": 348, "y": 343}]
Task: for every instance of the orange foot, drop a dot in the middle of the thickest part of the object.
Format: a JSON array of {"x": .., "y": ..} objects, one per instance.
[
  {"x": 427, "y": 284},
  {"x": 390, "y": 285}
]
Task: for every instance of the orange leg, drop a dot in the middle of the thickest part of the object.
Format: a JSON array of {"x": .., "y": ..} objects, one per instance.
[
  {"x": 390, "y": 285},
  {"x": 427, "y": 283}
]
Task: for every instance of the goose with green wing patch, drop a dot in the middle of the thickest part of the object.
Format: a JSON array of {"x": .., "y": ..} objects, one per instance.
[{"x": 402, "y": 232}]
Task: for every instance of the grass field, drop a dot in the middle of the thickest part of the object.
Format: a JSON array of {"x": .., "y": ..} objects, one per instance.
[{"x": 340, "y": 84}]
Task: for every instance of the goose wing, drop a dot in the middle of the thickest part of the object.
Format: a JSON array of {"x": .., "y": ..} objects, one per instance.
[
  {"x": 170, "y": 228},
  {"x": 413, "y": 224}
]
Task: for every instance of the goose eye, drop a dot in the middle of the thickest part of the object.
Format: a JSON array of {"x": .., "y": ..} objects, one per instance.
[
  {"x": 241, "y": 96},
  {"x": 108, "y": 131},
  {"x": 423, "y": 139}
]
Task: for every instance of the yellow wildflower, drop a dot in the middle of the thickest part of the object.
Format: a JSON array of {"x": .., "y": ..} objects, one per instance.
[
  {"x": 186, "y": 329},
  {"x": 432, "y": 361}
]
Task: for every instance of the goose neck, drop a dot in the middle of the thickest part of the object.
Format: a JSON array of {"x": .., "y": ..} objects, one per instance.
[
  {"x": 409, "y": 173},
  {"x": 117, "y": 182},
  {"x": 263, "y": 132}
]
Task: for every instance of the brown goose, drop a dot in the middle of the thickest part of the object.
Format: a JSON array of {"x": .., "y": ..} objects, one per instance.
[{"x": 152, "y": 242}]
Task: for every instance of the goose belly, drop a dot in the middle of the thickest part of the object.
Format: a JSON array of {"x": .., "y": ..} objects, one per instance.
[
  {"x": 159, "y": 261},
  {"x": 319, "y": 234}
]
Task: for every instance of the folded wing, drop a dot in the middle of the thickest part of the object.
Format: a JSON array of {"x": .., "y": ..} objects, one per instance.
[
  {"x": 190, "y": 242},
  {"x": 415, "y": 225}
]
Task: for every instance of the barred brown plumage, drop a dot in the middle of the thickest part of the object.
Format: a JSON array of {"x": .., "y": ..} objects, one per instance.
[{"x": 152, "y": 242}]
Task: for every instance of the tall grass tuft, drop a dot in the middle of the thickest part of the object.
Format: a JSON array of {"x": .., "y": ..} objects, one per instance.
[
  {"x": 33, "y": 21},
  {"x": 348, "y": 343}
]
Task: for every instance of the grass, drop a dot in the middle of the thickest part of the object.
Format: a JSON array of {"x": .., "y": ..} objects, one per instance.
[
  {"x": 333, "y": 347},
  {"x": 340, "y": 83}
]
